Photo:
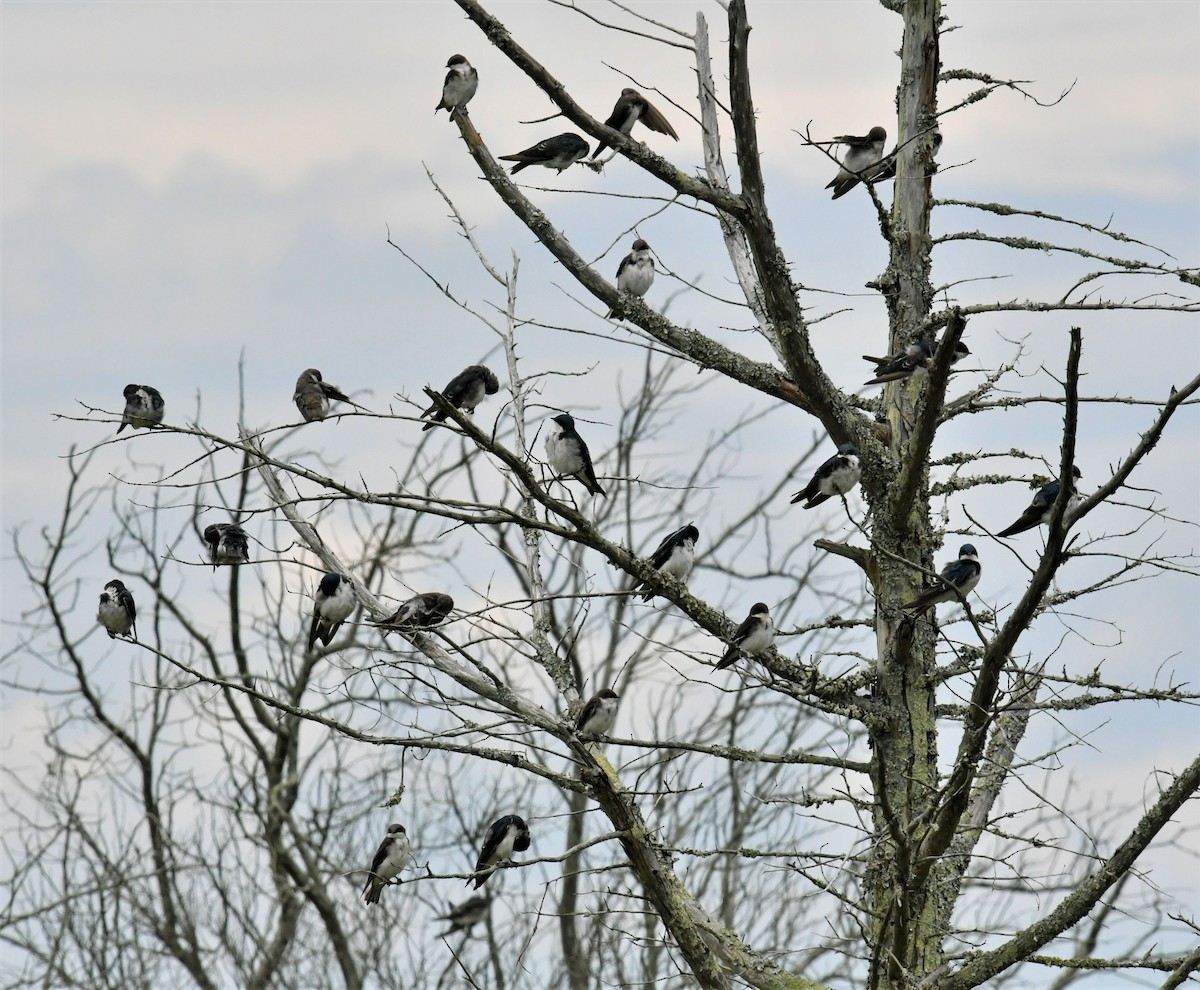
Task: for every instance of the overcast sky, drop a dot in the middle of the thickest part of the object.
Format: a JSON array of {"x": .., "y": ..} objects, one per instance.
[{"x": 185, "y": 183}]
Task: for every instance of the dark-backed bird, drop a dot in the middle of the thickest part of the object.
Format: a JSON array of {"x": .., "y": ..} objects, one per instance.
[
  {"x": 955, "y": 582},
  {"x": 675, "y": 555},
  {"x": 915, "y": 359},
  {"x": 461, "y": 82},
  {"x": 419, "y": 612},
  {"x": 333, "y": 601},
  {"x": 466, "y": 390},
  {"x": 143, "y": 407},
  {"x": 465, "y": 916},
  {"x": 861, "y": 161},
  {"x": 635, "y": 273},
  {"x": 1042, "y": 506},
  {"x": 835, "y": 477},
  {"x": 599, "y": 714},
  {"x": 313, "y": 396},
  {"x": 631, "y": 107},
  {"x": 504, "y": 837},
  {"x": 227, "y": 544},
  {"x": 568, "y": 455},
  {"x": 391, "y": 857},
  {"x": 754, "y": 636},
  {"x": 559, "y": 152},
  {"x": 117, "y": 613}
]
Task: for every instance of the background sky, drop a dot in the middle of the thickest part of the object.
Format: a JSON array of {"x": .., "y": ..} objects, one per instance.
[{"x": 187, "y": 184}]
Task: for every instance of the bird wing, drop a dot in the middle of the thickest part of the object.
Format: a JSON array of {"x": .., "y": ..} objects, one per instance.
[{"x": 654, "y": 120}]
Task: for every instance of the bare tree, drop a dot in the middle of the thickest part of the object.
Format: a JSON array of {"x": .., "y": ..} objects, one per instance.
[{"x": 865, "y": 781}]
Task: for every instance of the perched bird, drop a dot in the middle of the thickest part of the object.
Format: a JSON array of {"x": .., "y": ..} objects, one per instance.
[
  {"x": 419, "y": 612},
  {"x": 915, "y": 359},
  {"x": 631, "y": 107},
  {"x": 1042, "y": 506},
  {"x": 599, "y": 714},
  {"x": 675, "y": 555},
  {"x": 313, "y": 395},
  {"x": 560, "y": 152},
  {"x": 461, "y": 82},
  {"x": 227, "y": 544},
  {"x": 117, "y": 613},
  {"x": 504, "y": 837},
  {"x": 333, "y": 601},
  {"x": 635, "y": 273},
  {"x": 569, "y": 455},
  {"x": 754, "y": 636},
  {"x": 466, "y": 390},
  {"x": 887, "y": 168},
  {"x": 465, "y": 916},
  {"x": 391, "y": 857},
  {"x": 835, "y": 477},
  {"x": 956, "y": 581},
  {"x": 143, "y": 407},
  {"x": 862, "y": 157}
]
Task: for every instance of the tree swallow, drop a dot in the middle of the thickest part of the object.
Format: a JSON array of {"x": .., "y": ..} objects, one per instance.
[
  {"x": 599, "y": 714},
  {"x": 754, "y": 636},
  {"x": 568, "y": 454},
  {"x": 419, "y": 612},
  {"x": 915, "y": 359},
  {"x": 504, "y": 837},
  {"x": 466, "y": 390},
  {"x": 465, "y": 916},
  {"x": 313, "y": 395},
  {"x": 956, "y": 581},
  {"x": 117, "y": 613},
  {"x": 835, "y": 477},
  {"x": 635, "y": 273},
  {"x": 227, "y": 544},
  {"x": 1040, "y": 508},
  {"x": 143, "y": 407},
  {"x": 631, "y": 107},
  {"x": 862, "y": 155},
  {"x": 675, "y": 555},
  {"x": 560, "y": 152},
  {"x": 333, "y": 601},
  {"x": 461, "y": 82},
  {"x": 391, "y": 857}
]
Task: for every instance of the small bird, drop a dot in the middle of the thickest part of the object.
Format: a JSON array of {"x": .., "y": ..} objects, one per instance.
[
  {"x": 631, "y": 107},
  {"x": 560, "y": 152},
  {"x": 569, "y": 455},
  {"x": 117, "y": 613},
  {"x": 466, "y": 390},
  {"x": 1042, "y": 506},
  {"x": 143, "y": 407},
  {"x": 465, "y": 916},
  {"x": 419, "y": 612},
  {"x": 675, "y": 555},
  {"x": 313, "y": 395},
  {"x": 227, "y": 544},
  {"x": 955, "y": 582},
  {"x": 635, "y": 273},
  {"x": 754, "y": 636},
  {"x": 863, "y": 154},
  {"x": 887, "y": 168},
  {"x": 599, "y": 714},
  {"x": 461, "y": 82},
  {"x": 915, "y": 359},
  {"x": 333, "y": 601},
  {"x": 391, "y": 857},
  {"x": 835, "y": 477},
  {"x": 504, "y": 837}
]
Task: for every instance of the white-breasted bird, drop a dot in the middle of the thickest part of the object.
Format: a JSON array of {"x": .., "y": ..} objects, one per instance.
[
  {"x": 465, "y": 916},
  {"x": 630, "y": 108},
  {"x": 504, "y": 837},
  {"x": 914, "y": 361},
  {"x": 117, "y": 612},
  {"x": 227, "y": 544},
  {"x": 754, "y": 636},
  {"x": 675, "y": 555},
  {"x": 861, "y": 162},
  {"x": 599, "y": 715},
  {"x": 465, "y": 391},
  {"x": 143, "y": 407},
  {"x": 559, "y": 152},
  {"x": 461, "y": 82},
  {"x": 391, "y": 857},
  {"x": 568, "y": 454},
  {"x": 1042, "y": 507},
  {"x": 635, "y": 273},
  {"x": 313, "y": 396},
  {"x": 333, "y": 601},
  {"x": 957, "y": 579},
  {"x": 419, "y": 612},
  {"x": 836, "y": 476}
]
